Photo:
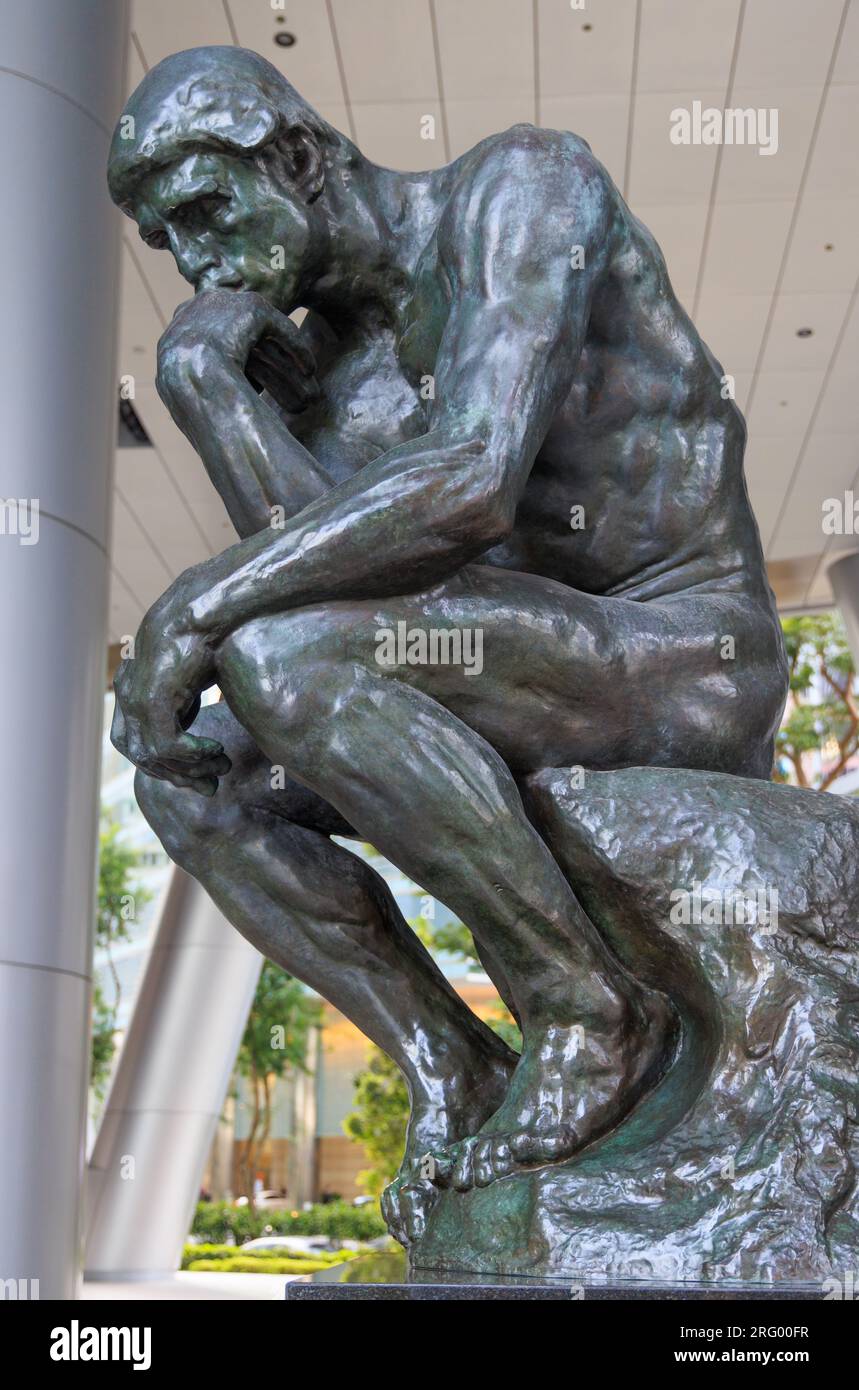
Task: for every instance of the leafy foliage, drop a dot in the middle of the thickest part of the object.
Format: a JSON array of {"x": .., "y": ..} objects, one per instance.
[
  {"x": 218, "y": 1221},
  {"x": 378, "y": 1119},
  {"x": 118, "y": 902},
  {"x": 822, "y": 715},
  {"x": 274, "y": 1044}
]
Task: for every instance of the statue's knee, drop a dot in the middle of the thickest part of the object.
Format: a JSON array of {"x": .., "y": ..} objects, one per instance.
[
  {"x": 181, "y": 819},
  {"x": 276, "y": 683}
]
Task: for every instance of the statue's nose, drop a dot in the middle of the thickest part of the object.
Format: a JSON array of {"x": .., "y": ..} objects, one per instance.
[{"x": 192, "y": 257}]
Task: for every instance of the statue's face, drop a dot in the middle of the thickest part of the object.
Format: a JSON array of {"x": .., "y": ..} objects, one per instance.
[{"x": 227, "y": 222}]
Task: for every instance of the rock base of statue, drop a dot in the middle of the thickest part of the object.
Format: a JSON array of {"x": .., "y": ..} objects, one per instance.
[{"x": 739, "y": 901}]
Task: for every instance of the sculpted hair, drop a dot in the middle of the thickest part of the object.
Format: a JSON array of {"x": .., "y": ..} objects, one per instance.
[{"x": 214, "y": 98}]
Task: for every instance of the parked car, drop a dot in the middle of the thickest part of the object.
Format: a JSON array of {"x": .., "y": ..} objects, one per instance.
[
  {"x": 267, "y": 1198},
  {"x": 296, "y": 1245}
]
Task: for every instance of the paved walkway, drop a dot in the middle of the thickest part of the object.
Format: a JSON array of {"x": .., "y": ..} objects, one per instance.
[{"x": 192, "y": 1285}]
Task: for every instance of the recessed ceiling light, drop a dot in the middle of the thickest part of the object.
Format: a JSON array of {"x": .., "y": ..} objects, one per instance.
[
  {"x": 284, "y": 39},
  {"x": 804, "y": 332}
]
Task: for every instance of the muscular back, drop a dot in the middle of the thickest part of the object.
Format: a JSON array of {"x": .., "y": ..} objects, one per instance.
[{"x": 637, "y": 487}]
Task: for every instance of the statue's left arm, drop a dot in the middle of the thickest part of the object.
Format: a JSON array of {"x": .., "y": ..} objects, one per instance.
[{"x": 523, "y": 252}]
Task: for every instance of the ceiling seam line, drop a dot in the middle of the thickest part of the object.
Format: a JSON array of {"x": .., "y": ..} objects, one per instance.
[
  {"x": 128, "y": 589},
  {"x": 797, "y": 206},
  {"x": 812, "y": 419},
  {"x": 57, "y": 92},
  {"x": 824, "y": 555},
  {"x": 132, "y": 251},
  {"x": 72, "y": 526},
  {"x": 139, "y": 47},
  {"x": 231, "y": 24},
  {"x": 717, "y": 166},
  {"x": 335, "y": 39},
  {"x": 535, "y": 40},
  {"x": 136, "y": 519},
  {"x": 439, "y": 81},
  {"x": 633, "y": 92}
]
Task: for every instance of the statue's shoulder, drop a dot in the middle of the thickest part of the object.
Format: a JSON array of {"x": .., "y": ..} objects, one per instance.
[{"x": 526, "y": 175}]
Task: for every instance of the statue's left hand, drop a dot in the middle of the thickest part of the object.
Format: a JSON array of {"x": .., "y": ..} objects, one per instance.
[{"x": 157, "y": 698}]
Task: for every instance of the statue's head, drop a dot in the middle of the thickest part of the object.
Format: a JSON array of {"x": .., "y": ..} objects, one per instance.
[{"x": 218, "y": 159}]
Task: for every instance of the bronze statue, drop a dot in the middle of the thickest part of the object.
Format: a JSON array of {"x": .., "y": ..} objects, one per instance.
[{"x": 495, "y": 422}]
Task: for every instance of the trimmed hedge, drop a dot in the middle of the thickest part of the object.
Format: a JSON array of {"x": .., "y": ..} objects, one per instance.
[
  {"x": 220, "y": 1253},
  {"x": 246, "y": 1264},
  {"x": 217, "y": 1221}
]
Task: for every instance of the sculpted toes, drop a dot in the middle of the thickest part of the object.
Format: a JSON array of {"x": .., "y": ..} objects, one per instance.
[
  {"x": 394, "y": 1221},
  {"x": 463, "y": 1173},
  {"x": 439, "y": 1166},
  {"x": 483, "y": 1170},
  {"x": 416, "y": 1201},
  {"x": 503, "y": 1161},
  {"x": 523, "y": 1146}
]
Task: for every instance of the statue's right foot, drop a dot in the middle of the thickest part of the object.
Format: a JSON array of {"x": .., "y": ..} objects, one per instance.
[{"x": 570, "y": 1087}]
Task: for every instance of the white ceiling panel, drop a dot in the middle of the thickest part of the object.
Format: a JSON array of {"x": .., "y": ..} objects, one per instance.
[
  {"x": 783, "y": 403},
  {"x": 739, "y": 262},
  {"x": 824, "y": 252},
  {"x": 839, "y": 404},
  {"x": 833, "y": 174},
  {"x": 694, "y": 43},
  {"x": 732, "y": 325},
  {"x": 847, "y": 62},
  {"x": 663, "y": 172},
  {"x": 827, "y": 469},
  {"x": 787, "y": 41},
  {"x": 166, "y": 26},
  {"x": 768, "y": 468},
  {"x": 311, "y": 63},
  {"x": 585, "y": 52},
  {"x": 472, "y": 121},
  {"x": 823, "y": 313},
  {"x": 399, "y": 37},
  {"x": 392, "y": 134},
  {"x": 749, "y": 174},
  {"x": 487, "y": 51}
]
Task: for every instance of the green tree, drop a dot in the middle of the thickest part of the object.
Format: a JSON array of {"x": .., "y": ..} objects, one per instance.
[
  {"x": 274, "y": 1045},
  {"x": 378, "y": 1119},
  {"x": 119, "y": 901},
  {"x": 822, "y": 714}
]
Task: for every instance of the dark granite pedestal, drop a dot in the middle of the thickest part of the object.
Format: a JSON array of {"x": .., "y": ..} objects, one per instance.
[{"x": 387, "y": 1276}]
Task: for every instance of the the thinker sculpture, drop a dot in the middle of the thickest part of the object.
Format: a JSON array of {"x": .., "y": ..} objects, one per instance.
[{"x": 495, "y": 419}]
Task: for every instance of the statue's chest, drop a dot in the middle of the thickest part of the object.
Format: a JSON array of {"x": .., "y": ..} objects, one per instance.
[{"x": 368, "y": 406}]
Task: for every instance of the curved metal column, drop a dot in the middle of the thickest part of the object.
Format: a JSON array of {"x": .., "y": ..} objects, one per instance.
[
  {"x": 60, "y": 90},
  {"x": 844, "y": 577},
  {"x": 170, "y": 1085}
]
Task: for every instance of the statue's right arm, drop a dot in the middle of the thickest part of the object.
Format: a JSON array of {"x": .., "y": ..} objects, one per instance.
[{"x": 263, "y": 474}]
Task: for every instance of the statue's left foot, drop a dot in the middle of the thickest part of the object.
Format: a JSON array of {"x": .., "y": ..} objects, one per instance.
[
  {"x": 457, "y": 1106},
  {"x": 569, "y": 1087}
]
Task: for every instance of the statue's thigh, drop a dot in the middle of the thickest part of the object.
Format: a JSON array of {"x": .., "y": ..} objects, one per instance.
[{"x": 260, "y": 786}]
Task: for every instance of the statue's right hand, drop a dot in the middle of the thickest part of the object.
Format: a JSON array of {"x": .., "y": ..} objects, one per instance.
[{"x": 235, "y": 331}]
